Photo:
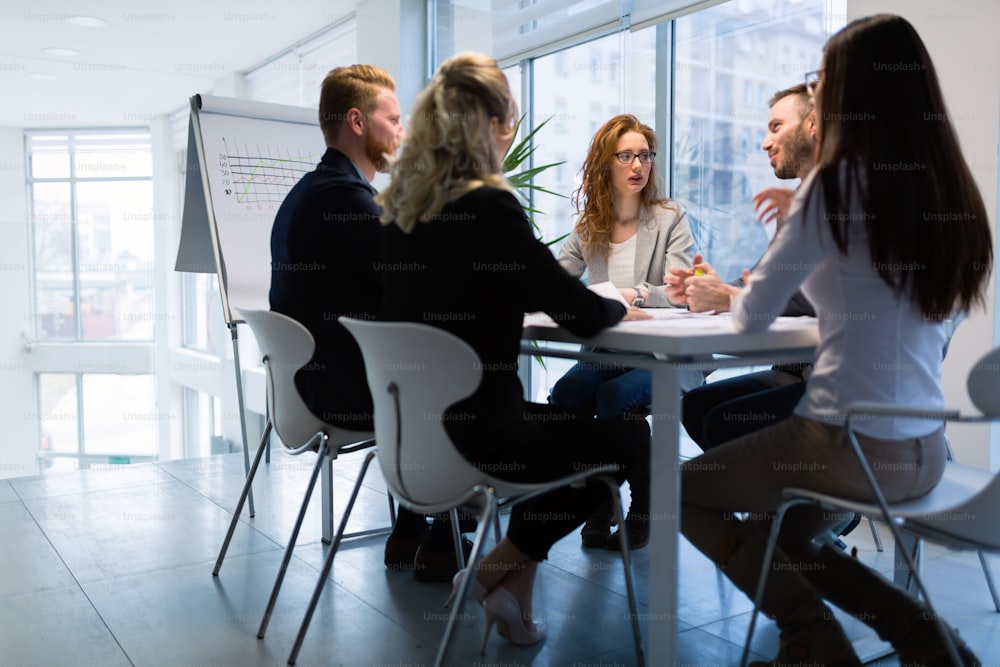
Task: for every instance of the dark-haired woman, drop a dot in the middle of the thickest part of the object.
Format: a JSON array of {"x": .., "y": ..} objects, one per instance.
[{"x": 888, "y": 236}]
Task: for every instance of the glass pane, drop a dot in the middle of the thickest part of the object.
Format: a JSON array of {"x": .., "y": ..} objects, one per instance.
[
  {"x": 513, "y": 74},
  {"x": 50, "y": 164},
  {"x": 204, "y": 322},
  {"x": 58, "y": 418},
  {"x": 115, "y": 239},
  {"x": 117, "y": 163},
  {"x": 125, "y": 425},
  {"x": 52, "y": 230},
  {"x": 579, "y": 89},
  {"x": 726, "y": 69},
  {"x": 199, "y": 422}
]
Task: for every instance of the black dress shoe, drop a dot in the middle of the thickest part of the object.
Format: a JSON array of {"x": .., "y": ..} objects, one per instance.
[
  {"x": 430, "y": 567},
  {"x": 597, "y": 529},
  {"x": 637, "y": 531},
  {"x": 401, "y": 551}
]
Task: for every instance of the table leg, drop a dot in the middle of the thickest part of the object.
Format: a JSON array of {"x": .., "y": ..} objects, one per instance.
[{"x": 664, "y": 524}]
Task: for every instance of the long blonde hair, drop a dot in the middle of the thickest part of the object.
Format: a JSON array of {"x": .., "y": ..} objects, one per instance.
[{"x": 448, "y": 149}]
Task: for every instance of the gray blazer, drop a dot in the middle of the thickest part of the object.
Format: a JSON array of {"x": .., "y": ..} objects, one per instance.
[{"x": 664, "y": 240}]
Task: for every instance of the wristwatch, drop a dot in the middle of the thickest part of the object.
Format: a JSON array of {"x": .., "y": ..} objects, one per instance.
[{"x": 639, "y": 299}]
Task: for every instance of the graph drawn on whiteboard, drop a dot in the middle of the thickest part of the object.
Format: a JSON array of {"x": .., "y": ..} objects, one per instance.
[{"x": 257, "y": 175}]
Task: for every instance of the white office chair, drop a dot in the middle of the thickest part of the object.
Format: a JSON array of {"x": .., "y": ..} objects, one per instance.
[
  {"x": 951, "y": 325},
  {"x": 966, "y": 492},
  {"x": 286, "y": 346},
  {"x": 415, "y": 372}
]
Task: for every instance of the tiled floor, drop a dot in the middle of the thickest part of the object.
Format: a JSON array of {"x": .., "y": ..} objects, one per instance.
[{"x": 113, "y": 567}]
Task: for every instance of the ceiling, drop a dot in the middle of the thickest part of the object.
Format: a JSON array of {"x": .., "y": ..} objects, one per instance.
[{"x": 145, "y": 62}]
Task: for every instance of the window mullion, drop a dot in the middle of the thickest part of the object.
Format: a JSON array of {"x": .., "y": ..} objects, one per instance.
[{"x": 75, "y": 244}]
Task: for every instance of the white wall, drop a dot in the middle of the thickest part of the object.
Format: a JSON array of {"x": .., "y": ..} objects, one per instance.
[
  {"x": 20, "y": 419},
  {"x": 961, "y": 38}
]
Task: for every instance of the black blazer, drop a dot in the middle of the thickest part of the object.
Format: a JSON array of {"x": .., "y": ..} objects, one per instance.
[
  {"x": 324, "y": 252},
  {"x": 475, "y": 270}
]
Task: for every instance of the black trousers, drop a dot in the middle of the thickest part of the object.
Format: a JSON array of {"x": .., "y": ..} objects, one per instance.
[
  {"x": 550, "y": 443},
  {"x": 721, "y": 411}
]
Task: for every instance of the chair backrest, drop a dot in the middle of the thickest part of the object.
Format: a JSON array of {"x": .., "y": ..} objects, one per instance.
[
  {"x": 286, "y": 346},
  {"x": 975, "y": 516},
  {"x": 415, "y": 372},
  {"x": 984, "y": 384}
]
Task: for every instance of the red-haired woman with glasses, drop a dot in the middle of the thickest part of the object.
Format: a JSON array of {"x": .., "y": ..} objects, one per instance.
[{"x": 629, "y": 235}]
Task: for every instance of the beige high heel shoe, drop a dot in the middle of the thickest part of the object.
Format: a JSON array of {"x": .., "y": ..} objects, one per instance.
[
  {"x": 503, "y": 610},
  {"x": 476, "y": 590}
]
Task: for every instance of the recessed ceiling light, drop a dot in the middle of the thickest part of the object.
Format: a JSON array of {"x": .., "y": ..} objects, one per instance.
[
  {"x": 86, "y": 21},
  {"x": 61, "y": 52},
  {"x": 39, "y": 76}
]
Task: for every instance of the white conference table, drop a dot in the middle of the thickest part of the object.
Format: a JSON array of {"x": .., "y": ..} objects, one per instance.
[{"x": 681, "y": 341}]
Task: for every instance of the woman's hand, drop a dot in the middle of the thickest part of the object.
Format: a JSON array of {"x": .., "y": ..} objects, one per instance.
[{"x": 632, "y": 313}]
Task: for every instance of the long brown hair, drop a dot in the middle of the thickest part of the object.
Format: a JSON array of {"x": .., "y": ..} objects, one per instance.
[
  {"x": 594, "y": 199},
  {"x": 885, "y": 133}
]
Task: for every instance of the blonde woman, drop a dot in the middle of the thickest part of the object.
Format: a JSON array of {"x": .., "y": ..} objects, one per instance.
[{"x": 470, "y": 264}]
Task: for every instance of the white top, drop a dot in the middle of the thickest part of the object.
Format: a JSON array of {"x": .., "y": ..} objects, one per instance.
[
  {"x": 621, "y": 263},
  {"x": 873, "y": 346}
]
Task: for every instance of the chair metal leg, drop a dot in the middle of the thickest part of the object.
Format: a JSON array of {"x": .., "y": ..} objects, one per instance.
[
  {"x": 896, "y": 535},
  {"x": 327, "y": 503},
  {"x": 489, "y": 505},
  {"x": 988, "y": 571},
  {"x": 633, "y": 607},
  {"x": 392, "y": 510},
  {"x": 321, "y": 457},
  {"x": 328, "y": 562},
  {"x": 765, "y": 568},
  {"x": 243, "y": 497},
  {"x": 456, "y": 534},
  {"x": 875, "y": 535}
]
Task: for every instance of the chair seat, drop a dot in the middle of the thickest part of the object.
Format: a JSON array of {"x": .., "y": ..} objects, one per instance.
[{"x": 947, "y": 502}]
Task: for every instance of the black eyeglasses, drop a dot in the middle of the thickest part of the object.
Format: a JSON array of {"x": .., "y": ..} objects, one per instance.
[
  {"x": 812, "y": 80},
  {"x": 627, "y": 157}
]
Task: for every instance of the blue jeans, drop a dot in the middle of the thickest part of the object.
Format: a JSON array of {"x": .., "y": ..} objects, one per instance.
[
  {"x": 607, "y": 390},
  {"x": 610, "y": 390}
]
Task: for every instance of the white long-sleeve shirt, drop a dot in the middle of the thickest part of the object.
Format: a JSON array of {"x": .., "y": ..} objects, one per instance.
[{"x": 873, "y": 346}]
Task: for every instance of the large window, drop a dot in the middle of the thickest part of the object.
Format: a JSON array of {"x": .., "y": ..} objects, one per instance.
[
  {"x": 577, "y": 90},
  {"x": 91, "y": 198},
  {"x": 96, "y": 419},
  {"x": 92, "y": 226},
  {"x": 729, "y": 60},
  {"x": 720, "y": 66}
]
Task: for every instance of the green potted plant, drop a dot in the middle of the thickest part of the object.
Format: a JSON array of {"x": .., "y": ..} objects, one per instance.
[{"x": 517, "y": 156}]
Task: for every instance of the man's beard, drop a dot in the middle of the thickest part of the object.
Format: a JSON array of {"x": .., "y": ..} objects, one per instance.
[
  {"x": 797, "y": 150},
  {"x": 378, "y": 152}
]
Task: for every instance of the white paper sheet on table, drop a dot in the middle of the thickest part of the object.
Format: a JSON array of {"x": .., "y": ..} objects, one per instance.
[
  {"x": 680, "y": 318},
  {"x": 608, "y": 291}
]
